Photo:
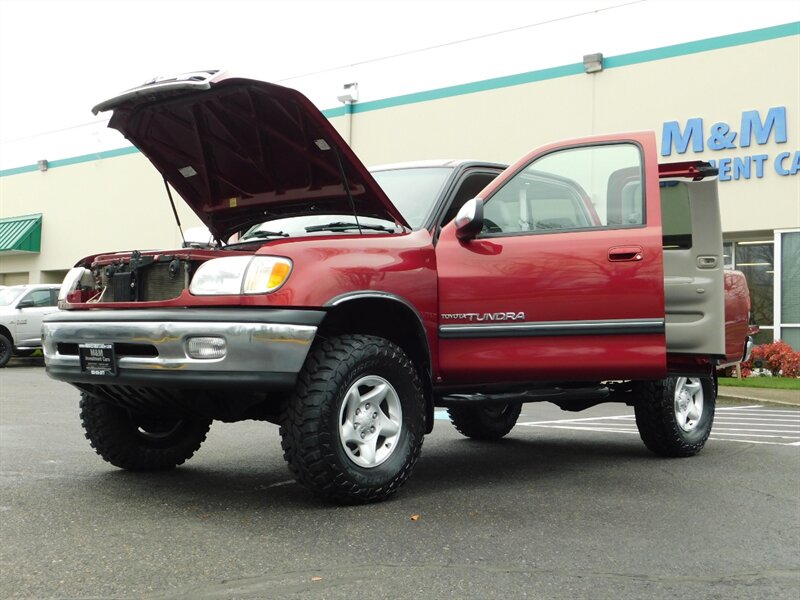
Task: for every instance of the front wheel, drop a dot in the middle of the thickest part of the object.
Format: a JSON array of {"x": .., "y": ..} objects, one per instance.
[
  {"x": 674, "y": 416},
  {"x": 137, "y": 441},
  {"x": 490, "y": 422},
  {"x": 353, "y": 429},
  {"x": 6, "y": 350}
]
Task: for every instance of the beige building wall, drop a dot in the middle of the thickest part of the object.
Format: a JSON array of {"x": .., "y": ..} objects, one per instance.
[
  {"x": 718, "y": 85},
  {"x": 98, "y": 206},
  {"x": 120, "y": 203},
  {"x": 498, "y": 125}
]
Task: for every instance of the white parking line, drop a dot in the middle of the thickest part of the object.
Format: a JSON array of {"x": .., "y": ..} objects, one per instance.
[
  {"x": 754, "y": 424},
  {"x": 790, "y": 426},
  {"x": 748, "y": 441},
  {"x": 749, "y": 414},
  {"x": 783, "y": 437},
  {"x": 784, "y": 412},
  {"x": 535, "y": 423},
  {"x": 749, "y": 418},
  {"x": 579, "y": 428}
]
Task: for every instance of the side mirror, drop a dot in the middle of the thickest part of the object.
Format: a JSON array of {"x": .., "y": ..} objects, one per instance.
[
  {"x": 469, "y": 220},
  {"x": 27, "y": 303}
]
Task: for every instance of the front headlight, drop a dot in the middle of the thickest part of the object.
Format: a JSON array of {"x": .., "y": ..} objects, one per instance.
[
  {"x": 76, "y": 278},
  {"x": 234, "y": 275}
]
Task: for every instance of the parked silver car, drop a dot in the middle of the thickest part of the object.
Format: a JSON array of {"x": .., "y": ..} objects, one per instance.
[{"x": 22, "y": 308}]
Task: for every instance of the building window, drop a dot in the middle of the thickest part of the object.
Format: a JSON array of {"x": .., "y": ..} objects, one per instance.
[
  {"x": 787, "y": 310},
  {"x": 727, "y": 254},
  {"x": 756, "y": 260}
]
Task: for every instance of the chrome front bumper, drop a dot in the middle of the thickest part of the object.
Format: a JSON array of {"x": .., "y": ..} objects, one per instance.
[{"x": 151, "y": 347}]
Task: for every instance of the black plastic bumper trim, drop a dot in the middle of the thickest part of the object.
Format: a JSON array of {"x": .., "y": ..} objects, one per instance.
[{"x": 265, "y": 381}]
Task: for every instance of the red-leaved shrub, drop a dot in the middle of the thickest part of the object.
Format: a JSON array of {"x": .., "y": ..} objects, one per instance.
[{"x": 778, "y": 358}]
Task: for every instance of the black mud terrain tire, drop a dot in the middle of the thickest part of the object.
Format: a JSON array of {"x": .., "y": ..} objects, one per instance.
[
  {"x": 488, "y": 422},
  {"x": 138, "y": 442},
  {"x": 675, "y": 416},
  {"x": 353, "y": 429},
  {"x": 6, "y": 350}
]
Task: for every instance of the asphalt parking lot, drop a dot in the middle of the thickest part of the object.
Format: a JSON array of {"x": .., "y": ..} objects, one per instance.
[{"x": 568, "y": 506}]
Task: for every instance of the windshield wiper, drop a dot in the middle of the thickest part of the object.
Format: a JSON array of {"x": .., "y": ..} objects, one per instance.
[
  {"x": 343, "y": 226},
  {"x": 264, "y": 234}
]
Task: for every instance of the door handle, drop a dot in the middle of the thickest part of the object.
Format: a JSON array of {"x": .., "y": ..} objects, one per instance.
[
  {"x": 625, "y": 253},
  {"x": 706, "y": 262}
]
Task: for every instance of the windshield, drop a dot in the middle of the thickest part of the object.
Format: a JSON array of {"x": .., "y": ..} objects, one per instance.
[
  {"x": 413, "y": 190},
  {"x": 311, "y": 224},
  {"x": 9, "y": 294}
]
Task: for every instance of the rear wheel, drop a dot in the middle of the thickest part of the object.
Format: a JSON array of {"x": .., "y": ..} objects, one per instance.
[
  {"x": 489, "y": 422},
  {"x": 353, "y": 429},
  {"x": 675, "y": 416},
  {"x": 137, "y": 441}
]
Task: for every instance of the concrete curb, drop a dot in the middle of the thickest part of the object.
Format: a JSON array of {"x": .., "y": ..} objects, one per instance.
[
  {"x": 756, "y": 399},
  {"x": 765, "y": 395}
]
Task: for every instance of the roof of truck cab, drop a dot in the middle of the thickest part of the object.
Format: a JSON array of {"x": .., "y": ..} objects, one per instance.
[{"x": 448, "y": 162}]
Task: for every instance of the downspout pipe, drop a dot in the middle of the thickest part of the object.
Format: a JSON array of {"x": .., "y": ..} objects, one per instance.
[{"x": 348, "y": 97}]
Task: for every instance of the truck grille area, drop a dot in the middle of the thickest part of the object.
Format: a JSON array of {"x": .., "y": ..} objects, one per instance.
[{"x": 162, "y": 280}]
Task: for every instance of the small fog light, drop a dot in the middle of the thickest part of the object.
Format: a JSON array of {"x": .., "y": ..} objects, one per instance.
[{"x": 206, "y": 347}]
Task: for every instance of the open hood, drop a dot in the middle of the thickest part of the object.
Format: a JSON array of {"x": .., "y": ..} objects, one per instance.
[{"x": 240, "y": 151}]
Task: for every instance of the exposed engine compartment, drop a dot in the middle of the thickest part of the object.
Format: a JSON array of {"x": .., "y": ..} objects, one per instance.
[
  {"x": 137, "y": 276},
  {"x": 143, "y": 278}
]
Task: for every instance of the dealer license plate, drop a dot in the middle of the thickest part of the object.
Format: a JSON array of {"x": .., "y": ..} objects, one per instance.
[{"x": 98, "y": 359}]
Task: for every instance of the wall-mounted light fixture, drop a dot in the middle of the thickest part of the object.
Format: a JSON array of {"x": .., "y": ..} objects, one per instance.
[
  {"x": 42, "y": 165},
  {"x": 349, "y": 94},
  {"x": 593, "y": 63}
]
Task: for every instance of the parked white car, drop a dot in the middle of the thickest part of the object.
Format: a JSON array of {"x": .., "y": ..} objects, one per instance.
[{"x": 22, "y": 308}]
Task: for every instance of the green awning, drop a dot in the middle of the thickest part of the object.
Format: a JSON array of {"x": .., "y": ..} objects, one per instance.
[{"x": 21, "y": 234}]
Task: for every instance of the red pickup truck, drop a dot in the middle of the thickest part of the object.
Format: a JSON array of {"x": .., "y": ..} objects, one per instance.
[{"x": 344, "y": 305}]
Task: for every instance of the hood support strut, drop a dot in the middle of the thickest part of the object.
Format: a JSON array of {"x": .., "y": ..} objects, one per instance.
[
  {"x": 174, "y": 211},
  {"x": 323, "y": 145}
]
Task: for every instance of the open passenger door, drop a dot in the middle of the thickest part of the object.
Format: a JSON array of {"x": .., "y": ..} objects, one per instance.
[{"x": 693, "y": 264}]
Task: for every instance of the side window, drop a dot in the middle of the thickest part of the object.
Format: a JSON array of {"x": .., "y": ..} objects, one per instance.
[
  {"x": 40, "y": 298},
  {"x": 676, "y": 215},
  {"x": 576, "y": 188}
]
